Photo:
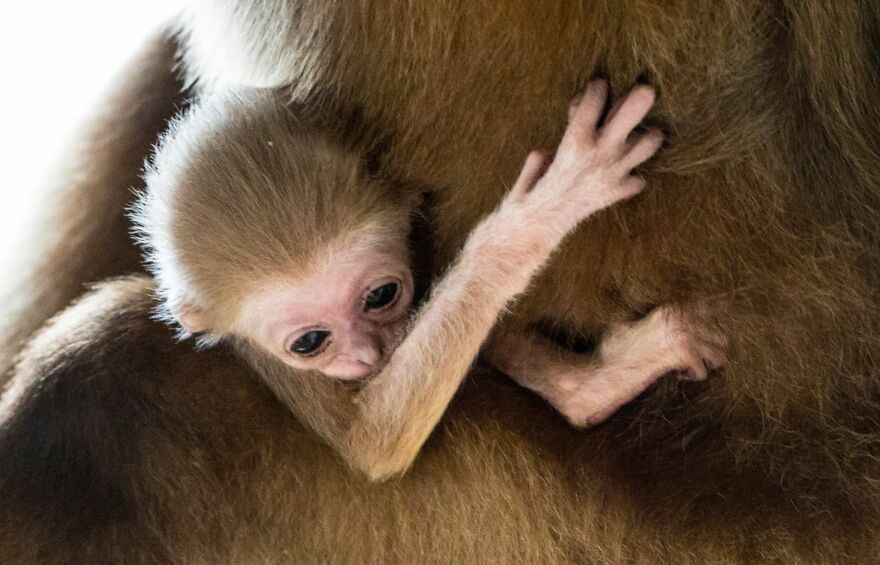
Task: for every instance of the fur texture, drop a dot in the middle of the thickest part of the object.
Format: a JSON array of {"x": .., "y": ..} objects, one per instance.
[
  {"x": 166, "y": 454},
  {"x": 765, "y": 201}
]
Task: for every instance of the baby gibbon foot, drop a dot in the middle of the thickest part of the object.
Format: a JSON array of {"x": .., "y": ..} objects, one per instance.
[{"x": 587, "y": 390}]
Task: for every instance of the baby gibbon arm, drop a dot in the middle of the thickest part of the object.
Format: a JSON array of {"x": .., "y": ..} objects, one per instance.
[{"x": 591, "y": 170}]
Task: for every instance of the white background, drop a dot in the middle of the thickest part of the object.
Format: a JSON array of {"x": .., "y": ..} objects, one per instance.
[{"x": 55, "y": 58}]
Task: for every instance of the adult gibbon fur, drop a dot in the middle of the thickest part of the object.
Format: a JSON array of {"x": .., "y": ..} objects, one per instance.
[{"x": 765, "y": 202}]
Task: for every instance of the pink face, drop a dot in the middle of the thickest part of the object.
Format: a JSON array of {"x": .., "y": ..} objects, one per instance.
[{"x": 341, "y": 320}]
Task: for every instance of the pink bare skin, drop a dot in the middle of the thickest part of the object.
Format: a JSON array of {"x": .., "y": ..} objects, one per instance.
[
  {"x": 356, "y": 307},
  {"x": 588, "y": 389}
]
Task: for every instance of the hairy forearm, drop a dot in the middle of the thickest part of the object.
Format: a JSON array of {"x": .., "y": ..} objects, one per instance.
[{"x": 401, "y": 406}]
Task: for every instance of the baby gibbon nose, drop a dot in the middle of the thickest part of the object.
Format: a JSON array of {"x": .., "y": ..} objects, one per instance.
[
  {"x": 366, "y": 349},
  {"x": 358, "y": 355}
]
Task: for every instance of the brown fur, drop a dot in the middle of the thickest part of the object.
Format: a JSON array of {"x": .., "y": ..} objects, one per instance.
[
  {"x": 765, "y": 200},
  {"x": 170, "y": 454}
]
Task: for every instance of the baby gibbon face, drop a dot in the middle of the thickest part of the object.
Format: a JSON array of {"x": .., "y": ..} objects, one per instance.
[{"x": 341, "y": 319}]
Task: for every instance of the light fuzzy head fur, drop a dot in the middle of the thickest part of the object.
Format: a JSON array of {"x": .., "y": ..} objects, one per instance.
[{"x": 241, "y": 190}]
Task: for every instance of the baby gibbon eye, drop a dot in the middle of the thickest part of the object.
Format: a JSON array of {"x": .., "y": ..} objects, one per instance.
[
  {"x": 310, "y": 342},
  {"x": 381, "y": 297}
]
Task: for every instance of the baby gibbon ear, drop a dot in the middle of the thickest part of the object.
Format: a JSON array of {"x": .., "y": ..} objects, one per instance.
[{"x": 193, "y": 318}]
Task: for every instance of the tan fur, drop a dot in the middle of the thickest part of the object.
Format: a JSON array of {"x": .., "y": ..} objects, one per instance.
[
  {"x": 766, "y": 197},
  {"x": 243, "y": 193}
]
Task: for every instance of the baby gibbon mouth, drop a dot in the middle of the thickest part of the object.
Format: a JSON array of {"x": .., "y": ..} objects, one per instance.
[{"x": 357, "y": 382}]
